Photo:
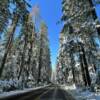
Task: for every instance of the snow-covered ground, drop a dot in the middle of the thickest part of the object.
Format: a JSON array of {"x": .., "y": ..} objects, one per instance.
[
  {"x": 81, "y": 94},
  {"x": 12, "y": 93}
]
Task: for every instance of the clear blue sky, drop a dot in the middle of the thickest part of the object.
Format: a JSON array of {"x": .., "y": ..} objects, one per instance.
[
  {"x": 98, "y": 11},
  {"x": 50, "y": 10}
]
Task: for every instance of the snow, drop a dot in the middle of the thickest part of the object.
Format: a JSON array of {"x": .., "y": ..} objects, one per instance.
[
  {"x": 97, "y": 96},
  {"x": 90, "y": 95},
  {"x": 81, "y": 94},
  {"x": 7, "y": 84},
  {"x": 12, "y": 93},
  {"x": 71, "y": 87}
]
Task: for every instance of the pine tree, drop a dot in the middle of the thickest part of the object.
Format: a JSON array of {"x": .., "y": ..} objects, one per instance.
[
  {"x": 44, "y": 53},
  {"x": 78, "y": 17},
  {"x": 20, "y": 8}
]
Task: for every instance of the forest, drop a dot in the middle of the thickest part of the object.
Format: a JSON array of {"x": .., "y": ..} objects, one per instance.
[
  {"x": 25, "y": 51},
  {"x": 78, "y": 60},
  {"x": 24, "y": 46}
]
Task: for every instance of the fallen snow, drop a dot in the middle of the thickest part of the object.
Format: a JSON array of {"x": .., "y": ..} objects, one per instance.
[
  {"x": 12, "y": 93},
  {"x": 80, "y": 94},
  {"x": 90, "y": 95},
  {"x": 70, "y": 87}
]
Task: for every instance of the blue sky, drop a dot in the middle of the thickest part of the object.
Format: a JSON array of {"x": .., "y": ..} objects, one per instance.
[
  {"x": 98, "y": 11},
  {"x": 50, "y": 10}
]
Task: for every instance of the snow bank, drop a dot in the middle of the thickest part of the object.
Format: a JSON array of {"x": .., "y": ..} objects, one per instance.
[
  {"x": 90, "y": 95},
  {"x": 70, "y": 87},
  {"x": 97, "y": 95},
  {"x": 81, "y": 94},
  {"x": 12, "y": 93}
]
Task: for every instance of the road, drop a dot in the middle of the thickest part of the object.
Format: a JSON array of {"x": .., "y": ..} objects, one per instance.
[{"x": 52, "y": 92}]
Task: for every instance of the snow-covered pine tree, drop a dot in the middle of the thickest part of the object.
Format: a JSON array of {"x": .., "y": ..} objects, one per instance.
[{"x": 78, "y": 37}]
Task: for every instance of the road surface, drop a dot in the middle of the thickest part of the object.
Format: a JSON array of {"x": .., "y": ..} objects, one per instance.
[{"x": 52, "y": 92}]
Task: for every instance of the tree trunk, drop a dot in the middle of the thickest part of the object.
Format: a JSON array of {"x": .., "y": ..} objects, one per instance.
[
  {"x": 40, "y": 61},
  {"x": 9, "y": 42},
  {"x": 22, "y": 59},
  {"x": 86, "y": 67},
  {"x": 40, "y": 64},
  {"x": 72, "y": 63},
  {"x": 29, "y": 59},
  {"x": 83, "y": 70},
  {"x": 94, "y": 67}
]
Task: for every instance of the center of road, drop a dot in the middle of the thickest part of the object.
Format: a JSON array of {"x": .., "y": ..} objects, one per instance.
[
  {"x": 55, "y": 93},
  {"x": 44, "y": 93}
]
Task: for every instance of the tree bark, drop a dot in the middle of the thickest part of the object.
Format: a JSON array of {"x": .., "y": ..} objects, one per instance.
[
  {"x": 86, "y": 66},
  {"x": 73, "y": 72},
  {"x": 83, "y": 71},
  {"x": 9, "y": 42},
  {"x": 40, "y": 62},
  {"x": 22, "y": 59}
]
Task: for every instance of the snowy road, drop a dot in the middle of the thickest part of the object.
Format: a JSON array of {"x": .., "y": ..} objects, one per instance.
[
  {"x": 55, "y": 93},
  {"x": 48, "y": 93}
]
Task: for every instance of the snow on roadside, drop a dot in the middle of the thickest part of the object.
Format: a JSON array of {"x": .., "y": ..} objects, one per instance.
[
  {"x": 68, "y": 87},
  {"x": 80, "y": 94},
  {"x": 11, "y": 93},
  {"x": 90, "y": 95},
  {"x": 97, "y": 96},
  {"x": 71, "y": 87}
]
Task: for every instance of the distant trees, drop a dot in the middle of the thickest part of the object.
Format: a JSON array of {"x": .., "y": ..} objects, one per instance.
[{"x": 44, "y": 52}]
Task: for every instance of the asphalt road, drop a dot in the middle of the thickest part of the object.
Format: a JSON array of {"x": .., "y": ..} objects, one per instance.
[
  {"x": 52, "y": 92},
  {"x": 55, "y": 93}
]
